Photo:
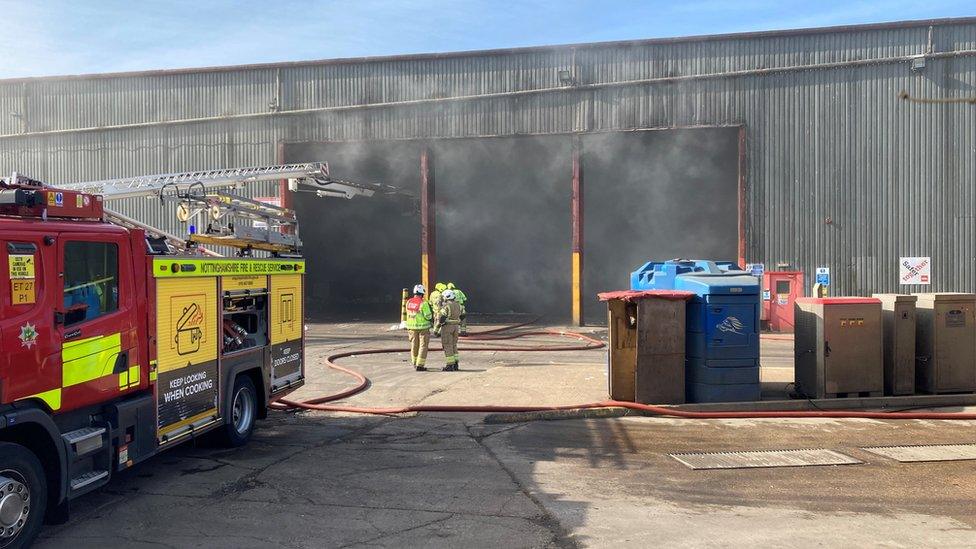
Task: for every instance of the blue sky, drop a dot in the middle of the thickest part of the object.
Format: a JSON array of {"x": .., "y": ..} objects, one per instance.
[{"x": 48, "y": 37}]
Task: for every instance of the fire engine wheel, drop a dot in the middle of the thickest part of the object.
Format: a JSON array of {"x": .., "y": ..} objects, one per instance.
[
  {"x": 242, "y": 413},
  {"x": 23, "y": 495}
]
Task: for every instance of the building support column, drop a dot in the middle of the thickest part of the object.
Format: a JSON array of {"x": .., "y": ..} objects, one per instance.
[
  {"x": 577, "y": 215},
  {"x": 428, "y": 229},
  {"x": 284, "y": 195},
  {"x": 742, "y": 197}
]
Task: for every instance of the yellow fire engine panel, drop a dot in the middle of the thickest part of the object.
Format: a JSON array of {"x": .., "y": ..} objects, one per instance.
[
  {"x": 187, "y": 385},
  {"x": 179, "y": 267},
  {"x": 287, "y": 320},
  {"x": 186, "y": 322},
  {"x": 237, "y": 283}
]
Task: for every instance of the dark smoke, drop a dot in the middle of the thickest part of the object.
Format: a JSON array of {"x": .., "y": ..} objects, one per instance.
[
  {"x": 503, "y": 217},
  {"x": 504, "y": 222},
  {"x": 360, "y": 252},
  {"x": 655, "y": 195}
]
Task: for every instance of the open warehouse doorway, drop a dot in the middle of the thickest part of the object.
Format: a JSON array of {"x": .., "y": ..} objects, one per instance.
[
  {"x": 360, "y": 252},
  {"x": 504, "y": 223},
  {"x": 656, "y": 195},
  {"x": 501, "y": 216}
]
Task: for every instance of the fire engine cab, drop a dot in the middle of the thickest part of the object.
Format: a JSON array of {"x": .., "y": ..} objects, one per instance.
[{"x": 115, "y": 348}]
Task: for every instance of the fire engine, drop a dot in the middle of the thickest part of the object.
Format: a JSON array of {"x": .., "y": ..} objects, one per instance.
[{"x": 117, "y": 346}]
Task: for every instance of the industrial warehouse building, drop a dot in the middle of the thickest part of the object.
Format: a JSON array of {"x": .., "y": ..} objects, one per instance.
[{"x": 552, "y": 172}]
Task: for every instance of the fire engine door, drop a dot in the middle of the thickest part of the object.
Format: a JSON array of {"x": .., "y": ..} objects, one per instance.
[
  {"x": 96, "y": 319},
  {"x": 31, "y": 344}
]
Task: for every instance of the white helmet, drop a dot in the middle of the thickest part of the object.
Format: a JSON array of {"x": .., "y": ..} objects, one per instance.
[
  {"x": 448, "y": 295},
  {"x": 419, "y": 289}
]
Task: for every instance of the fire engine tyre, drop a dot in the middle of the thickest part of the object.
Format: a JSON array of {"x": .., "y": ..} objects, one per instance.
[
  {"x": 23, "y": 496},
  {"x": 242, "y": 412}
]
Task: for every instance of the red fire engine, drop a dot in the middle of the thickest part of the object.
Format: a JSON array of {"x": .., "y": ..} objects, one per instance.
[{"x": 116, "y": 348}]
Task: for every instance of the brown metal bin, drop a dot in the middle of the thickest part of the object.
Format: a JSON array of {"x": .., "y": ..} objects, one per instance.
[
  {"x": 898, "y": 316},
  {"x": 945, "y": 343},
  {"x": 646, "y": 351}
]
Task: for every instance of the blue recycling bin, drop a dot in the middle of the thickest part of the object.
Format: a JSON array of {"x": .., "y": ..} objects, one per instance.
[{"x": 722, "y": 326}]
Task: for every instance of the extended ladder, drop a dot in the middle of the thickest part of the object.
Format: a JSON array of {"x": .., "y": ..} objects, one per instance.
[
  {"x": 271, "y": 228},
  {"x": 231, "y": 220},
  {"x": 315, "y": 174}
]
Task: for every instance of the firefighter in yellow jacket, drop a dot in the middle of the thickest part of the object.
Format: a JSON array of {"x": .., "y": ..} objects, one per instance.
[
  {"x": 448, "y": 326},
  {"x": 461, "y": 298},
  {"x": 420, "y": 318},
  {"x": 437, "y": 296}
]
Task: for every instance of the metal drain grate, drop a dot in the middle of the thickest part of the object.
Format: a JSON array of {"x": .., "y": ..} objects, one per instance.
[
  {"x": 925, "y": 452},
  {"x": 764, "y": 458}
]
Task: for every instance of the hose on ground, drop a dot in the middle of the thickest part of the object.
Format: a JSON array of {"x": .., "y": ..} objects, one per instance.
[{"x": 590, "y": 343}]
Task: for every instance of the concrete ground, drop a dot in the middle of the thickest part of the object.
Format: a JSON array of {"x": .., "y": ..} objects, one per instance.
[{"x": 333, "y": 480}]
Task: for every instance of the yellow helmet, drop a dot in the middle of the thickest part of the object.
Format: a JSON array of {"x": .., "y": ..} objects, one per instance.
[{"x": 440, "y": 286}]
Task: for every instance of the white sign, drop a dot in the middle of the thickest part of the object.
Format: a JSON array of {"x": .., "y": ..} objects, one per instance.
[
  {"x": 823, "y": 276},
  {"x": 915, "y": 270}
]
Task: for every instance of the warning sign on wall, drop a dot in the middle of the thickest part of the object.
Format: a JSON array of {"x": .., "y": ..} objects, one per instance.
[{"x": 915, "y": 270}]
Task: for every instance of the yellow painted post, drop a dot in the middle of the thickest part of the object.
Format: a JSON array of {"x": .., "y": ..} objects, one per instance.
[
  {"x": 403, "y": 305},
  {"x": 577, "y": 215},
  {"x": 577, "y": 290}
]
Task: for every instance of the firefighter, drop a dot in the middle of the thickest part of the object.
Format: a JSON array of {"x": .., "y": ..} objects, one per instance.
[
  {"x": 420, "y": 318},
  {"x": 435, "y": 296},
  {"x": 449, "y": 319},
  {"x": 463, "y": 300}
]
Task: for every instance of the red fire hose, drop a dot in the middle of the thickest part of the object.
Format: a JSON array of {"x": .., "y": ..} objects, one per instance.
[{"x": 319, "y": 403}]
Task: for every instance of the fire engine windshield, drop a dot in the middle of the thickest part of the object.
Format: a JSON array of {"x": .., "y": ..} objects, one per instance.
[{"x": 91, "y": 280}]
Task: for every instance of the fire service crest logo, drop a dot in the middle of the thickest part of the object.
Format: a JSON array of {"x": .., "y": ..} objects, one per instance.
[{"x": 28, "y": 335}]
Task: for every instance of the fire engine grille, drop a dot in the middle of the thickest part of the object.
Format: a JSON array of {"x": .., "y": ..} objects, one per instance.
[
  {"x": 926, "y": 452},
  {"x": 764, "y": 458}
]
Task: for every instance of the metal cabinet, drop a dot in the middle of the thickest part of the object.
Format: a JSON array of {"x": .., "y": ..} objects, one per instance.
[
  {"x": 898, "y": 316},
  {"x": 945, "y": 343},
  {"x": 837, "y": 347}
]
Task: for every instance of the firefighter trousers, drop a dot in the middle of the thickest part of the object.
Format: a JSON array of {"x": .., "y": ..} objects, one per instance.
[
  {"x": 449, "y": 340},
  {"x": 419, "y": 341}
]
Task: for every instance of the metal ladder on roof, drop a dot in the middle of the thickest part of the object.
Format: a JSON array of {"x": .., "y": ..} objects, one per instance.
[
  {"x": 313, "y": 175},
  {"x": 316, "y": 173},
  {"x": 228, "y": 219},
  {"x": 233, "y": 209}
]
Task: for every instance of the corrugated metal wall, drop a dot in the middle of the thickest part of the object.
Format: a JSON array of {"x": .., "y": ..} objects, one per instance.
[{"x": 840, "y": 172}]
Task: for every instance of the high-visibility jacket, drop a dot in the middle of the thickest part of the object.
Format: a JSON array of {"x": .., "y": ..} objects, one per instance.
[
  {"x": 450, "y": 313},
  {"x": 459, "y": 295},
  {"x": 420, "y": 316}
]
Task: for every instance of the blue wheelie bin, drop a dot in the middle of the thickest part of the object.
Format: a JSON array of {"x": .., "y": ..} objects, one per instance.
[{"x": 722, "y": 326}]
